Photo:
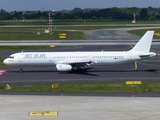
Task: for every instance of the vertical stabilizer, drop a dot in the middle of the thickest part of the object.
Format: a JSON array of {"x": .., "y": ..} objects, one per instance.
[{"x": 144, "y": 43}]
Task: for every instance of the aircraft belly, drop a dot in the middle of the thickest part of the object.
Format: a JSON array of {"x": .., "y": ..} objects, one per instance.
[{"x": 110, "y": 62}]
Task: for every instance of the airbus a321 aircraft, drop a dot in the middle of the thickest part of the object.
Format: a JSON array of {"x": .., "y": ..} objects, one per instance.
[{"x": 67, "y": 61}]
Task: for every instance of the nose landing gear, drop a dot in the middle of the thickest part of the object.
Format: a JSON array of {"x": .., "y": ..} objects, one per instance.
[{"x": 21, "y": 69}]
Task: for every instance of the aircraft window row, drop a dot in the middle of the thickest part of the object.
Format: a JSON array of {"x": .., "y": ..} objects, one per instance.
[
  {"x": 70, "y": 57},
  {"x": 59, "y": 57},
  {"x": 77, "y": 57},
  {"x": 119, "y": 57}
]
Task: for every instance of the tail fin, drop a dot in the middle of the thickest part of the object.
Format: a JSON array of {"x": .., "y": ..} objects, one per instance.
[{"x": 144, "y": 43}]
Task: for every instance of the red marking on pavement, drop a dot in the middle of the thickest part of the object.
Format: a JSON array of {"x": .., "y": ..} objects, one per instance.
[{"x": 2, "y": 72}]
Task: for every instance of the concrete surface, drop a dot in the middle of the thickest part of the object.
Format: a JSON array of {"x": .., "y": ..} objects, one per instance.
[{"x": 17, "y": 107}]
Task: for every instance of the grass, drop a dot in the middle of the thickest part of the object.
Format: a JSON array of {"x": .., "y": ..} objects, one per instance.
[
  {"x": 70, "y": 35},
  {"x": 1, "y": 63},
  {"x": 142, "y": 32},
  {"x": 93, "y": 87},
  {"x": 1, "y": 59}
]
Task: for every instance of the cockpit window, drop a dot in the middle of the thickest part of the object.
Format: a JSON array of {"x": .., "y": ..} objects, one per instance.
[{"x": 12, "y": 57}]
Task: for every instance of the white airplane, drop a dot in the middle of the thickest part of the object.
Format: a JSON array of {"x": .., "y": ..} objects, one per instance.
[{"x": 67, "y": 61}]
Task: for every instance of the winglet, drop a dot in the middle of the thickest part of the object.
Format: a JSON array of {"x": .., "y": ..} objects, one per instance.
[{"x": 144, "y": 43}]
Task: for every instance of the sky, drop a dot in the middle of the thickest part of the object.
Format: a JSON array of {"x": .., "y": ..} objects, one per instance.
[{"x": 23, "y": 5}]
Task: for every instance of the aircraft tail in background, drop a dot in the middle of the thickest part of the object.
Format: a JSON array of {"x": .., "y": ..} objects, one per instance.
[{"x": 144, "y": 43}]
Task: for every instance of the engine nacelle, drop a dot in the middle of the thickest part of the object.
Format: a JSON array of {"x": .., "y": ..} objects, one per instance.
[{"x": 63, "y": 67}]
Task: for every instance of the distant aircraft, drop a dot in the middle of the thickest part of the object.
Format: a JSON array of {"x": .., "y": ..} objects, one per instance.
[{"x": 67, "y": 61}]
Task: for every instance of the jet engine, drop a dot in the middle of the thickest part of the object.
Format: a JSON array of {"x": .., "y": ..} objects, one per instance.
[{"x": 63, "y": 67}]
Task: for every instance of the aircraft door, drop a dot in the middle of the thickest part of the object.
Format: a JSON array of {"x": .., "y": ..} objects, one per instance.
[
  {"x": 50, "y": 58},
  {"x": 20, "y": 59}
]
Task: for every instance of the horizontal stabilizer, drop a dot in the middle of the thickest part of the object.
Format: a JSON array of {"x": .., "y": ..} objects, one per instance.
[{"x": 144, "y": 56}]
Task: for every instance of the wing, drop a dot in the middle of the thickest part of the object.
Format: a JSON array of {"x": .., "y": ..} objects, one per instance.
[{"x": 77, "y": 63}]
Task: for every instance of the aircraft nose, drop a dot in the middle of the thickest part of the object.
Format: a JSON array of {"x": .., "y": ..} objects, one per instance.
[{"x": 5, "y": 61}]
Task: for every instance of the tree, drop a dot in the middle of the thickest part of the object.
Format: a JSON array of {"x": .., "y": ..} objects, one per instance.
[
  {"x": 93, "y": 18},
  {"x": 109, "y": 14},
  {"x": 144, "y": 14},
  {"x": 76, "y": 10},
  {"x": 2, "y": 11},
  {"x": 152, "y": 18},
  {"x": 110, "y": 19},
  {"x": 22, "y": 18},
  {"x": 14, "y": 18}
]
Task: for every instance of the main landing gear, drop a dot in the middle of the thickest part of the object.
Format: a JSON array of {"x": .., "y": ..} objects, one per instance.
[{"x": 79, "y": 69}]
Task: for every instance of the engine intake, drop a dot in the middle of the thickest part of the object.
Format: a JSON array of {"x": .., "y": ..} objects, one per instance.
[{"x": 63, "y": 67}]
